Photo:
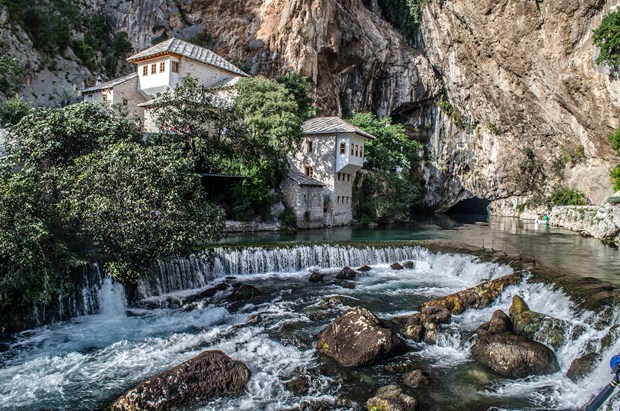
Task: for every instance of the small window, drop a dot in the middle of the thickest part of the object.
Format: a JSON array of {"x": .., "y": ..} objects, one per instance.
[
  {"x": 309, "y": 146},
  {"x": 125, "y": 102},
  {"x": 145, "y": 70},
  {"x": 351, "y": 149},
  {"x": 362, "y": 151},
  {"x": 162, "y": 67},
  {"x": 104, "y": 97},
  {"x": 154, "y": 68},
  {"x": 309, "y": 171},
  {"x": 175, "y": 66},
  {"x": 357, "y": 150},
  {"x": 348, "y": 177},
  {"x": 343, "y": 148}
]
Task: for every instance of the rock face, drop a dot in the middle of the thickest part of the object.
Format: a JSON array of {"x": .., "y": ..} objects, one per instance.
[
  {"x": 514, "y": 355},
  {"x": 210, "y": 374},
  {"x": 514, "y": 69},
  {"x": 357, "y": 338}
]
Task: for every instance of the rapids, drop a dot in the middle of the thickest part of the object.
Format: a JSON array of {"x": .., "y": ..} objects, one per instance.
[{"x": 86, "y": 362}]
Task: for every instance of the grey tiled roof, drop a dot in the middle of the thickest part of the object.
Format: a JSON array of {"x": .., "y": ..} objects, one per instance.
[
  {"x": 188, "y": 50},
  {"x": 111, "y": 83},
  {"x": 227, "y": 82},
  {"x": 331, "y": 125},
  {"x": 304, "y": 180}
]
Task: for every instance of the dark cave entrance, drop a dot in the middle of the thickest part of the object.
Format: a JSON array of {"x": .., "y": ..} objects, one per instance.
[{"x": 470, "y": 206}]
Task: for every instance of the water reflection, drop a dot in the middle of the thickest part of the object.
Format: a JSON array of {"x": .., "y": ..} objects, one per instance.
[{"x": 550, "y": 246}]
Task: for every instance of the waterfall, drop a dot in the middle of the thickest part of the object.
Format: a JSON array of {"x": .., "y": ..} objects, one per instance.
[{"x": 198, "y": 270}]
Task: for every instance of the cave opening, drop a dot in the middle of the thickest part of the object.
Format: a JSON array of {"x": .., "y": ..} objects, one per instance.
[{"x": 470, "y": 206}]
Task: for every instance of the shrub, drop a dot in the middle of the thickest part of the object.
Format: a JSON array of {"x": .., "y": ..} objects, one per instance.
[
  {"x": 614, "y": 139},
  {"x": 384, "y": 196},
  {"x": 615, "y": 177},
  {"x": 607, "y": 39},
  {"x": 288, "y": 218},
  {"x": 13, "y": 110},
  {"x": 567, "y": 196},
  {"x": 613, "y": 200}
]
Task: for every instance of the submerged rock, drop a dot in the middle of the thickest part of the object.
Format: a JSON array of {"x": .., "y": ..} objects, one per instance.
[
  {"x": 514, "y": 355},
  {"x": 244, "y": 292},
  {"x": 316, "y": 277},
  {"x": 298, "y": 385},
  {"x": 358, "y": 337},
  {"x": 346, "y": 273},
  {"x": 210, "y": 374},
  {"x": 535, "y": 325},
  {"x": 410, "y": 265},
  {"x": 391, "y": 398},
  {"x": 396, "y": 266},
  {"x": 582, "y": 366},
  {"x": 417, "y": 378}
]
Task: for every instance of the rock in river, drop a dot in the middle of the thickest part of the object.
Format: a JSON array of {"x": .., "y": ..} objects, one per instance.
[
  {"x": 514, "y": 355},
  {"x": 210, "y": 374},
  {"x": 346, "y": 273},
  {"x": 358, "y": 337}
]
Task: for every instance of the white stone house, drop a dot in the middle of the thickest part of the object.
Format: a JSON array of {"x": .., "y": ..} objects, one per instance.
[
  {"x": 159, "y": 69},
  {"x": 332, "y": 152}
]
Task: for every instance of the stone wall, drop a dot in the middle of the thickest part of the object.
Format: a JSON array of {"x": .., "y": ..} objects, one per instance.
[
  {"x": 306, "y": 202},
  {"x": 602, "y": 222}
]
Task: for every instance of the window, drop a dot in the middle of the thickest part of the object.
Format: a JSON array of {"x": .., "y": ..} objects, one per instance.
[
  {"x": 125, "y": 102},
  {"x": 309, "y": 171},
  {"x": 309, "y": 146},
  {"x": 351, "y": 149},
  {"x": 145, "y": 70},
  {"x": 175, "y": 66},
  {"x": 154, "y": 68},
  {"x": 343, "y": 148},
  {"x": 104, "y": 97},
  {"x": 357, "y": 150},
  {"x": 362, "y": 151},
  {"x": 162, "y": 67},
  {"x": 348, "y": 177}
]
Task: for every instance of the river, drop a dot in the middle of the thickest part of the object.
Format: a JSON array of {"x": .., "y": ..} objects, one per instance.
[{"x": 85, "y": 363}]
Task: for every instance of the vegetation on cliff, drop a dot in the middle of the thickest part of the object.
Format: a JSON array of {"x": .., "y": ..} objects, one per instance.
[
  {"x": 386, "y": 193},
  {"x": 607, "y": 39}
]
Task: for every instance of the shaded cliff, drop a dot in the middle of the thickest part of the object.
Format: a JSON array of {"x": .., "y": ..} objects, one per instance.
[{"x": 505, "y": 93}]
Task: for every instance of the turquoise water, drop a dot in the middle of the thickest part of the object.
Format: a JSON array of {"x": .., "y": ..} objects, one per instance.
[{"x": 553, "y": 247}]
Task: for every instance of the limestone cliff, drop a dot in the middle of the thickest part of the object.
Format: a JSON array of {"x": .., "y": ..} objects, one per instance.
[
  {"x": 506, "y": 92},
  {"x": 522, "y": 75}
]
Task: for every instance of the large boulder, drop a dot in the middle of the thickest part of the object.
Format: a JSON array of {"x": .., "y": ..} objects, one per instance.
[
  {"x": 535, "y": 325},
  {"x": 514, "y": 355},
  {"x": 358, "y": 337},
  {"x": 316, "y": 277},
  {"x": 210, "y": 374}
]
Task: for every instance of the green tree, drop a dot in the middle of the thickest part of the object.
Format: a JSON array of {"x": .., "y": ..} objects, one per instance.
[
  {"x": 384, "y": 196},
  {"x": 13, "y": 110},
  {"x": 46, "y": 141},
  {"x": 391, "y": 148},
  {"x": 138, "y": 203},
  {"x": 34, "y": 259},
  {"x": 607, "y": 39},
  {"x": 300, "y": 87}
]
